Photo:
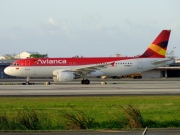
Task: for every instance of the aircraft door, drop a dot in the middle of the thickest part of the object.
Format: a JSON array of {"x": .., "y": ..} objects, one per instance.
[
  {"x": 139, "y": 64},
  {"x": 27, "y": 64},
  {"x": 73, "y": 64}
]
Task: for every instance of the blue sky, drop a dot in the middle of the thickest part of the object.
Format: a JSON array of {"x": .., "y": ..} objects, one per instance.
[{"x": 65, "y": 28}]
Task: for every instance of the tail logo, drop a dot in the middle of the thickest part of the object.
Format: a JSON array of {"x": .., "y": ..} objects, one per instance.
[{"x": 158, "y": 47}]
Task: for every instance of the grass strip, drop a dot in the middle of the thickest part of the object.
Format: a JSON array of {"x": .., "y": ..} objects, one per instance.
[{"x": 106, "y": 111}]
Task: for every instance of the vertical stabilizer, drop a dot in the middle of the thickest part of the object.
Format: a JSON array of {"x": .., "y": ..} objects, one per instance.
[{"x": 158, "y": 47}]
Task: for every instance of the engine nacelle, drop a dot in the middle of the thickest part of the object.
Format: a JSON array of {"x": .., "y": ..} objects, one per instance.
[{"x": 64, "y": 76}]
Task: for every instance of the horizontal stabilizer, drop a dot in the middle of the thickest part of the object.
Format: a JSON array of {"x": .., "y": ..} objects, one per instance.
[{"x": 161, "y": 61}]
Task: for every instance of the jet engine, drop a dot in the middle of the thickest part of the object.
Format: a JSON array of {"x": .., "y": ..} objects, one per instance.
[{"x": 64, "y": 76}]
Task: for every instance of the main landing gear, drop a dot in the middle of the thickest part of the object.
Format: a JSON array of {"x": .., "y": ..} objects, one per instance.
[{"x": 85, "y": 81}]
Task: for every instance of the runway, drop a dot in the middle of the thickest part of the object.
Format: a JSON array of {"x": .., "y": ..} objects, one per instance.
[
  {"x": 117, "y": 87},
  {"x": 132, "y": 132}
]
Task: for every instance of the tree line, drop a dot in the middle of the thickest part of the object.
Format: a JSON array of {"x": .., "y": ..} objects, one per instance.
[{"x": 14, "y": 56}]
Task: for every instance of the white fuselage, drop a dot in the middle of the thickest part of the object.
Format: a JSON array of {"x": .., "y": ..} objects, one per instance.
[{"x": 122, "y": 67}]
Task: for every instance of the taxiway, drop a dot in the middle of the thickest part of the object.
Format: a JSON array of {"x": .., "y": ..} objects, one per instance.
[{"x": 140, "y": 87}]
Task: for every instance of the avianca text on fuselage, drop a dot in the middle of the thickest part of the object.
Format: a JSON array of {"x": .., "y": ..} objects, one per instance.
[{"x": 49, "y": 61}]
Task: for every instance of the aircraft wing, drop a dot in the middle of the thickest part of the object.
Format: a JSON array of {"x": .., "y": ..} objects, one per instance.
[{"x": 89, "y": 68}]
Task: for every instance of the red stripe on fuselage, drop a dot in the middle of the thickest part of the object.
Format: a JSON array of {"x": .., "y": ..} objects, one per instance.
[{"x": 68, "y": 61}]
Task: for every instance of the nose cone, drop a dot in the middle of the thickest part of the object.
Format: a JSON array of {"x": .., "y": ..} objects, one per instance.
[{"x": 6, "y": 71}]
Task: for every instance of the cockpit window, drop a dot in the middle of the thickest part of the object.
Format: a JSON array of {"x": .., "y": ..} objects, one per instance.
[{"x": 14, "y": 64}]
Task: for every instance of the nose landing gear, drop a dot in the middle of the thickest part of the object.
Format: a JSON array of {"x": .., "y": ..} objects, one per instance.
[{"x": 27, "y": 81}]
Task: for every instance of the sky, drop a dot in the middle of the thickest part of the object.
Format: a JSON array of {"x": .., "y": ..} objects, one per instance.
[{"x": 89, "y": 28}]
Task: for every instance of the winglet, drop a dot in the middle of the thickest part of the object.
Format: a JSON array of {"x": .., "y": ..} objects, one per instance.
[{"x": 158, "y": 47}]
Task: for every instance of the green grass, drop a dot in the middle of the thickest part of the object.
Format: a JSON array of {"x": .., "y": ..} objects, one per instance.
[{"x": 107, "y": 112}]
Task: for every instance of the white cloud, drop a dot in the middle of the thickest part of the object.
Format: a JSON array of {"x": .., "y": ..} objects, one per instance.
[
  {"x": 100, "y": 26},
  {"x": 54, "y": 26},
  {"x": 64, "y": 26},
  {"x": 91, "y": 18},
  {"x": 52, "y": 21}
]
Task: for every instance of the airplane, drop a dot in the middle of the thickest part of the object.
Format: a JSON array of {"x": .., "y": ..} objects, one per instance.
[{"x": 68, "y": 69}]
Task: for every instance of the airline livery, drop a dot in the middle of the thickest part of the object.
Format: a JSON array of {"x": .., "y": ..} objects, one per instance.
[{"x": 68, "y": 69}]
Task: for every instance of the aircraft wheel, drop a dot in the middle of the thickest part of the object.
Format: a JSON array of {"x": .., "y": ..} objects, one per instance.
[
  {"x": 83, "y": 81},
  {"x": 87, "y": 81}
]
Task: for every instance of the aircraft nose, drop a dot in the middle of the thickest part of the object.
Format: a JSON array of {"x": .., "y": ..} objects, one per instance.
[{"x": 6, "y": 70}]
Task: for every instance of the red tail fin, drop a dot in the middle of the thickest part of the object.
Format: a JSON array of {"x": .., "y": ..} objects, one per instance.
[{"x": 158, "y": 47}]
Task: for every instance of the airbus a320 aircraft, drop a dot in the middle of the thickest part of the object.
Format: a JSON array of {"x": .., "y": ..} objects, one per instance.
[{"x": 68, "y": 69}]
